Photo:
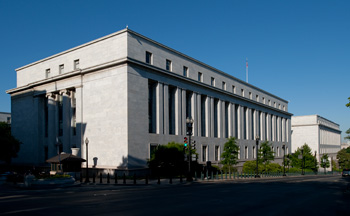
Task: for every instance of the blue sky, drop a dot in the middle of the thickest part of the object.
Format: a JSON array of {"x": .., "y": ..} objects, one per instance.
[{"x": 297, "y": 50}]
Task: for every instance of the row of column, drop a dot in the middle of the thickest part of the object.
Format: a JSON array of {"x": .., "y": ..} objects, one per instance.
[
  {"x": 60, "y": 121},
  {"x": 214, "y": 117}
]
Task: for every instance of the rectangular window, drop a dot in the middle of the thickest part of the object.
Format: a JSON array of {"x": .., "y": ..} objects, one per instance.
[
  {"x": 8, "y": 120},
  {"x": 200, "y": 77},
  {"x": 217, "y": 153},
  {"x": 148, "y": 57},
  {"x": 76, "y": 64},
  {"x": 168, "y": 65},
  {"x": 274, "y": 104},
  {"x": 263, "y": 100},
  {"x": 246, "y": 152},
  {"x": 223, "y": 85},
  {"x": 48, "y": 75},
  {"x": 152, "y": 110},
  {"x": 269, "y": 102},
  {"x": 278, "y": 151},
  {"x": 242, "y": 92},
  {"x": 61, "y": 69},
  {"x": 234, "y": 89},
  {"x": 185, "y": 71},
  {"x": 257, "y": 98},
  {"x": 204, "y": 153},
  {"x": 250, "y": 95},
  {"x": 212, "y": 82}
]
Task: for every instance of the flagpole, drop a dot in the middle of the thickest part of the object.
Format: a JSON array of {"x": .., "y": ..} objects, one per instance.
[{"x": 246, "y": 69}]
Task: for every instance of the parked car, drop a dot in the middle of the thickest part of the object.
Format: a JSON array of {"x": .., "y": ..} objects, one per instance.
[{"x": 346, "y": 173}]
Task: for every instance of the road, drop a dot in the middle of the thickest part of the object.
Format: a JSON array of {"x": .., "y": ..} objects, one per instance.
[{"x": 313, "y": 195}]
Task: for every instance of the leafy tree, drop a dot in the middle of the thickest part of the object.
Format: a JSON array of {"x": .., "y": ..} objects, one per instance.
[
  {"x": 348, "y": 134},
  {"x": 308, "y": 157},
  {"x": 265, "y": 154},
  {"x": 343, "y": 157},
  {"x": 273, "y": 167},
  {"x": 348, "y": 104},
  {"x": 9, "y": 146},
  {"x": 324, "y": 161},
  {"x": 250, "y": 166},
  {"x": 230, "y": 154}
]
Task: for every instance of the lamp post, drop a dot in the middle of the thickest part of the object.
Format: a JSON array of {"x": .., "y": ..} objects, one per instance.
[
  {"x": 257, "y": 156},
  {"x": 284, "y": 160},
  {"x": 189, "y": 123},
  {"x": 87, "y": 159}
]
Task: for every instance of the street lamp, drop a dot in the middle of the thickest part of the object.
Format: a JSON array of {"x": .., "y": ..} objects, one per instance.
[
  {"x": 87, "y": 159},
  {"x": 257, "y": 158},
  {"x": 189, "y": 123},
  {"x": 284, "y": 160}
]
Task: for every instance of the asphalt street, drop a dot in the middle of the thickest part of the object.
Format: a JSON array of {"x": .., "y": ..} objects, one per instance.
[{"x": 309, "y": 195}]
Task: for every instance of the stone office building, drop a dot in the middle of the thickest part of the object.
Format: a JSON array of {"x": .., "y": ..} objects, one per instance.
[
  {"x": 127, "y": 94},
  {"x": 322, "y": 135}
]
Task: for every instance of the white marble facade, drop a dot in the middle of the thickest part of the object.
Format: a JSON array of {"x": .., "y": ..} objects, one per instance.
[
  {"x": 127, "y": 93},
  {"x": 322, "y": 135}
]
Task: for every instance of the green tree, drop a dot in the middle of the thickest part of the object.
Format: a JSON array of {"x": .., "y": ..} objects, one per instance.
[
  {"x": 324, "y": 161},
  {"x": 9, "y": 146},
  {"x": 348, "y": 134},
  {"x": 230, "y": 154},
  {"x": 348, "y": 104},
  {"x": 265, "y": 154},
  {"x": 309, "y": 159},
  {"x": 250, "y": 166},
  {"x": 343, "y": 157}
]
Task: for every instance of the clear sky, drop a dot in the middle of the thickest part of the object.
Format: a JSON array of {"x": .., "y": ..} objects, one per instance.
[{"x": 297, "y": 50}]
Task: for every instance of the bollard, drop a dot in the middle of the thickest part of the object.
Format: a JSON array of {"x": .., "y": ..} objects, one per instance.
[
  {"x": 116, "y": 178},
  {"x": 124, "y": 179},
  {"x": 93, "y": 178},
  {"x": 146, "y": 180},
  {"x": 134, "y": 178},
  {"x": 108, "y": 178},
  {"x": 100, "y": 178}
]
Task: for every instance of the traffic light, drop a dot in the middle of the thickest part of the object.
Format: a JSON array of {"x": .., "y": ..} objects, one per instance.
[{"x": 185, "y": 142}]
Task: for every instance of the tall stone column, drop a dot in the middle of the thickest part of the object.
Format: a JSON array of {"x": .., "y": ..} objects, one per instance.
[
  {"x": 283, "y": 130},
  {"x": 268, "y": 127},
  {"x": 194, "y": 113},
  {"x": 166, "y": 109},
  {"x": 52, "y": 133},
  {"x": 178, "y": 112},
  {"x": 212, "y": 117},
  {"x": 199, "y": 114},
  {"x": 239, "y": 122},
  {"x": 208, "y": 117},
  {"x": 183, "y": 107},
  {"x": 229, "y": 116},
  {"x": 262, "y": 126},
  {"x": 221, "y": 117},
  {"x": 159, "y": 108},
  {"x": 66, "y": 120}
]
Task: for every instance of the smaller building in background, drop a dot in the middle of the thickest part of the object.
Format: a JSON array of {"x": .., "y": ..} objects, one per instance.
[
  {"x": 5, "y": 117},
  {"x": 321, "y": 134}
]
